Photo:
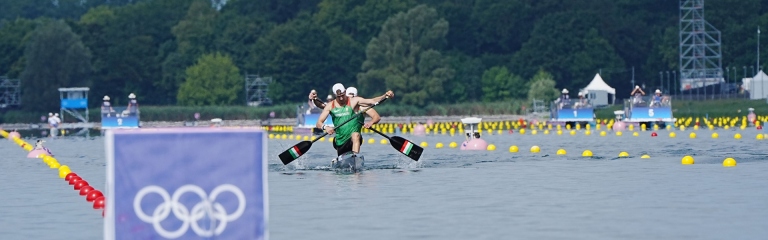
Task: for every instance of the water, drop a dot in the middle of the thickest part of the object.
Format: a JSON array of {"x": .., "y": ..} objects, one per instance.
[{"x": 453, "y": 194}]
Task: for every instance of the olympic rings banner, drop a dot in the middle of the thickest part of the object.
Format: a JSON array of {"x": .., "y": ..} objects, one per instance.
[{"x": 190, "y": 183}]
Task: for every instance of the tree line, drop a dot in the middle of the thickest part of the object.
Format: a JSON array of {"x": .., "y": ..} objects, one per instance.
[{"x": 196, "y": 52}]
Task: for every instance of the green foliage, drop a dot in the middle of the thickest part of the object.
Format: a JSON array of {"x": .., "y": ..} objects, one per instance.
[
  {"x": 360, "y": 19},
  {"x": 13, "y": 38},
  {"x": 214, "y": 80},
  {"x": 55, "y": 57},
  {"x": 499, "y": 84},
  {"x": 404, "y": 57},
  {"x": 542, "y": 87}
]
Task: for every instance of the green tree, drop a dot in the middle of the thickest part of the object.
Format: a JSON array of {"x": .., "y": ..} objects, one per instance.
[
  {"x": 296, "y": 55},
  {"x": 13, "y": 38},
  {"x": 361, "y": 19},
  {"x": 194, "y": 36},
  {"x": 542, "y": 87},
  {"x": 55, "y": 57},
  {"x": 404, "y": 57},
  {"x": 499, "y": 84},
  {"x": 213, "y": 80}
]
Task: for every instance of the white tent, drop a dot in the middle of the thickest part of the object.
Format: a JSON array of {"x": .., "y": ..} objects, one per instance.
[
  {"x": 597, "y": 91},
  {"x": 757, "y": 86}
]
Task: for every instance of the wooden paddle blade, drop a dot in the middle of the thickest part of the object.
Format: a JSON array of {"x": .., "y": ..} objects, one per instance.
[
  {"x": 295, "y": 152},
  {"x": 406, "y": 147}
]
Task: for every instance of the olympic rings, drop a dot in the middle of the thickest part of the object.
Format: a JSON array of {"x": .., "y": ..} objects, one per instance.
[{"x": 206, "y": 207}]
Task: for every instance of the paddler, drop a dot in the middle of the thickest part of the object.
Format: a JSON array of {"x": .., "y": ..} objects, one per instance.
[{"x": 342, "y": 109}]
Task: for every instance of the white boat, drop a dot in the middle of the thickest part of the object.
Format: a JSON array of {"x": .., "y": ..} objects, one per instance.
[{"x": 348, "y": 162}]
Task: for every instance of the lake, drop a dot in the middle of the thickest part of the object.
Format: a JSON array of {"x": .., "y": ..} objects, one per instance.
[{"x": 454, "y": 194}]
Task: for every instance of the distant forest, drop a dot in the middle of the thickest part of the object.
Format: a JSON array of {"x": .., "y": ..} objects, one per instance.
[{"x": 197, "y": 52}]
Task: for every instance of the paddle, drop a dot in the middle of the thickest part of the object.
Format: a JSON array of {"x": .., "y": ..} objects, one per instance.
[
  {"x": 403, "y": 146},
  {"x": 299, "y": 149}
]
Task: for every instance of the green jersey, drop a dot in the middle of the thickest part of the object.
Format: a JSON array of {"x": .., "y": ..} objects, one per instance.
[{"x": 340, "y": 114}]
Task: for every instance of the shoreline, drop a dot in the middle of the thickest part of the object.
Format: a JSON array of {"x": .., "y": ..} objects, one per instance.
[{"x": 257, "y": 122}]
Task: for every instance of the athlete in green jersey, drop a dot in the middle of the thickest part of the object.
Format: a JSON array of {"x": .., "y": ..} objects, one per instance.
[{"x": 342, "y": 109}]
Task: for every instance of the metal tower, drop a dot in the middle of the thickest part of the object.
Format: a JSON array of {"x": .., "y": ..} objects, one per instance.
[
  {"x": 256, "y": 89},
  {"x": 700, "y": 48},
  {"x": 10, "y": 92}
]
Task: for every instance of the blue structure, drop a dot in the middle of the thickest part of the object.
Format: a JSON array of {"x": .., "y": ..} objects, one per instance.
[
  {"x": 75, "y": 102},
  {"x": 119, "y": 118},
  {"x": 646, "y": 110},
  {"x": 571, "y": 113}
]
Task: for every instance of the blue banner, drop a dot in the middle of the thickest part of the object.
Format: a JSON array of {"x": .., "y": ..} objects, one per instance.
[
  {"x": 120, "y": 122},
  {"x": 79, "y": 103},
  {"x": 575, "y": 114},
  {"x": 208, "y": 183},
  {"x": 654, "y": 113},
  {"x": 119, "y": 117}
]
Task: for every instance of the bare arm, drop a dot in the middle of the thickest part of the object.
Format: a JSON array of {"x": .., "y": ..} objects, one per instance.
[
  {"x": 318, "y": 103},
  {"x": 369, "y": 102},
  {"x": 375, "y": 118},
  {"x": 323, "y": 116}
]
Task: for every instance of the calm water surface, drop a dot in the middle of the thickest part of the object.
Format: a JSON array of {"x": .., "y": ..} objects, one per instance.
[{"x": 453, "y": 194}]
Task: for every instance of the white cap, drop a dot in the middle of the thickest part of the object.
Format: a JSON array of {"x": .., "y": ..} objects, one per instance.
[
  {"x": 56, "y": 114},
  {"x": 565, "y": 90},
  {"x": 338, "y": 87},
  {"x": 581, "y": 94},
  {"x": 658, "y": 91},
  {"x": 106, "y": 98},
  {"x": 637, "y": 86},
  {"x": 313, "y": 91},
  {"x": 330, "y": 97},
  {"x": 131, "y": 95},
  {"x": 50, "y": 114},
  {"x": 352, "y": 91}
]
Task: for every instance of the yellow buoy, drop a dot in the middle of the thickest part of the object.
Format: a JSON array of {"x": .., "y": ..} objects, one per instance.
[
  {"x": 645, "y": 156},
  {"x": 559, "y": 132},
  {"x": 692, "y": 135},
  {"x": 586, "y": 153},
  {"x": 383, "y": 141},
  {"x": 561, "y": 151},
  {"x": 618, "y": 133},
  {"x": 715, "y": 135},
  {"x": 453, "y": 145},
  {"x": 271, "y": 136},
  {"x": 423, "y": 144},
  {"x": 513, "y": 149},
  {"x": 635, "y": 134},
  {"x": 759, "y": 137},
  {"x": 573, "y": 132},
  {"x": 370, "y": 141},
  {"x": 737, "y": 136},
  {"x": 439, "y": 145},
  {"x": 522, "y": 131},
  {"x": 672, "y": 134},
  {"x": 602, "y": 133},
  {"x": 623, "y": 154},
  {"x": 687, "y": 160},
  {"x": 729, "y": 162},
  {"x": 491, "y": 147},
  {"x": 535, "y": 149},
  {"x": 546, "y": 132},
  {"x": 534, "y": 132}
]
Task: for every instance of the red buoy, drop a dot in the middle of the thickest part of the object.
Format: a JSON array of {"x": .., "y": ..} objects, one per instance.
[
  {"x": 93, "y": 194},
  {"x": 760, "y": 127},
  {"x": 70, "y": 176},
  {"x": 74, "y": 179},
  {"x": 85, "y": 189},
  {"x": 98, "y": 203},
  {"x": 80, "y": 184},
  {"x": 653, "y": 134}
]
